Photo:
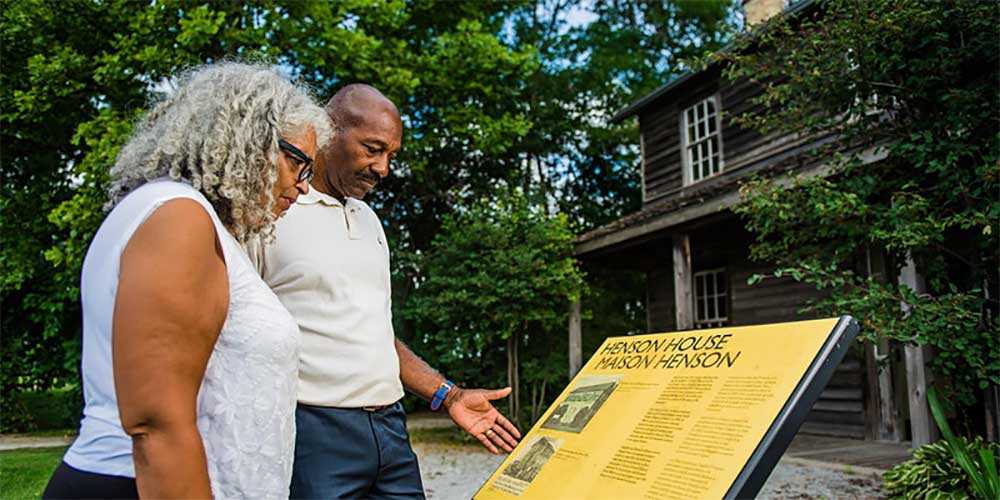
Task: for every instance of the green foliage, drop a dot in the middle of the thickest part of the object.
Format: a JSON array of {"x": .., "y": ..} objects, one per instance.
[
  {"x": 979, "y": 462},
  {"x": 40, "y": 411},
  {"x": 77, "y": 74},
  {"x": 914, "y": 86},
  {"x": 952, "y": 468},
  {"x": 508, "y": 93},
  {"x": 499, "y": 272},
  {"x": 932, "y": 473},
  {"x": 589, "y": 72}
]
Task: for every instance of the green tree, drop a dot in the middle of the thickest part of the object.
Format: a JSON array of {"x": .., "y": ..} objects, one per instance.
[
  {"x": 917, "y": 81},
  {"x": 584, "y": 164},
  {"x": 77, "y": 73},
  {"x": 499, "y": 277},
  {"x": 495, "y": 93}
]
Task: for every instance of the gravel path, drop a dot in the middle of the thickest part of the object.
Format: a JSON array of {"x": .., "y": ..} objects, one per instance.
[{"x": 456, "y": 472}]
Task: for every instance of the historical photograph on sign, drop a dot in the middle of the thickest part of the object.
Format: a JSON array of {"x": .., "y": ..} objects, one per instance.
[
  {"x": 522, "y": 471},
  {"x": 582, "y": 403}
]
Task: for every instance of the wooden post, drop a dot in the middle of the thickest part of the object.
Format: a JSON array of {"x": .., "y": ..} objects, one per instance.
[
  {"x": 575, "y": 339},
  {"x": 921, "y": 425},
  {"x": 881, "y": 416},
  {"x": 682, "y": 282}
]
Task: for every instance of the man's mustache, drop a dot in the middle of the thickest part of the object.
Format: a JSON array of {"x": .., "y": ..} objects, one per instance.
[{"x": 370, "y": 177}]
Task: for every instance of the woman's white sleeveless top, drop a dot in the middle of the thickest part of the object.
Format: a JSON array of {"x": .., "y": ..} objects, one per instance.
[{"x": 246, "y": 404}]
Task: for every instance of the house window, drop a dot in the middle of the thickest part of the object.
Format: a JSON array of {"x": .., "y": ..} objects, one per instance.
[
  {"x": 710, "y": 298},
  {"x": 702, "y": 143}
]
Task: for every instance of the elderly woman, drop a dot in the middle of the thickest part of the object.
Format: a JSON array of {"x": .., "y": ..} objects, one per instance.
[{"x": 189, "y": 360}]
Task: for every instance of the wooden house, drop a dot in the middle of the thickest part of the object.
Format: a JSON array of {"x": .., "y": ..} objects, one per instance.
[{"x": 695, "y": 252}]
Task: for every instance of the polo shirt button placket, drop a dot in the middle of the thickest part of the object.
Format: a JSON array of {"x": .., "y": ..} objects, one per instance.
[{"x": 350, "y": 216}]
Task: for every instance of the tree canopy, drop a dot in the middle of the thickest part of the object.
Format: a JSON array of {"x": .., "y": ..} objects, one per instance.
[{"x": 494, "y": 95}]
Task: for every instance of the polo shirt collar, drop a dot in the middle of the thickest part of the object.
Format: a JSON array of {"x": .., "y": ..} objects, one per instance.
[{"x": 315, "y": 196}]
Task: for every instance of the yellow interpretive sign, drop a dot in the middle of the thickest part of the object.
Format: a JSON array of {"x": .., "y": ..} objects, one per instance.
[{"x": 694, "y": 414}]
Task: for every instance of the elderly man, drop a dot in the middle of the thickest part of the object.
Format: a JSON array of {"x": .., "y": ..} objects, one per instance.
[{"x": 329, "y": 265}]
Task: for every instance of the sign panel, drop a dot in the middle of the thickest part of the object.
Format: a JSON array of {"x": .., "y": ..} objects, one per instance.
[{"x": 695, "y": 414}]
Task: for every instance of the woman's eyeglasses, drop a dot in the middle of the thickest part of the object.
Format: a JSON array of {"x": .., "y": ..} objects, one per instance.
[{"x": 306, "y": 174}]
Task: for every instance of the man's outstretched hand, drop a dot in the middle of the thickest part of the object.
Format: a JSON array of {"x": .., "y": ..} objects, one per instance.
[{"x": 471, "y": 410}]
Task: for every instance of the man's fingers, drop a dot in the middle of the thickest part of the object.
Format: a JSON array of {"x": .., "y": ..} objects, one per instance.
[
  {"x": 502, "y": 420},
  {"x": 498, "y": 440},
  {"x": 507, "y": 438},
  {"x": 486, "y": 442},
  {"x": 497, "y": 394}
]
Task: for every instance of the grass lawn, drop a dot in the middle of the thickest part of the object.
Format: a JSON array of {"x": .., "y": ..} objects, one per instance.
[{"x": 24, "y": 473}]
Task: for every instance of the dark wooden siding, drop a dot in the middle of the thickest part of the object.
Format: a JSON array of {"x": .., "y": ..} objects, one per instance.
[
  {"x": 661, "y": 146},
  {"x": 660, "y": 128},
  {"x": 660, "y": 312},
  {"x": 741, "y": 147},
  {"x": 770, "y": 301}
]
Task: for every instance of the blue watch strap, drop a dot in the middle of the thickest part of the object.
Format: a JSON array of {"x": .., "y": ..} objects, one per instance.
[{"x": 440, "y": 394}]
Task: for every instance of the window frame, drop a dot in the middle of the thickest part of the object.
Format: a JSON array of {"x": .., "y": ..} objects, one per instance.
[
  {"x": 686, "y": 164},
  {"x": 716, "y": 297}
]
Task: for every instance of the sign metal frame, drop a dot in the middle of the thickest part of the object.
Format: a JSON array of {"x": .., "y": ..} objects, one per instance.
[
  {"x": 793, "y": 413},
  {"x": 786, "y": 425}
]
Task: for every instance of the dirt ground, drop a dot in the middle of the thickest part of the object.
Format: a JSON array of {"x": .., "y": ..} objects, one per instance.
[{"x": 454, "y": 471}]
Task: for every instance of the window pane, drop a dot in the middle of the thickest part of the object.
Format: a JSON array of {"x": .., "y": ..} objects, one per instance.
[
  {"x": 722, "y": 306},
  {"x": 710, "y": 310},
  {"x": 691, "y": 137},
  {"x": 690, "y": 116},
  {"x": 711, "y": 124},
  {"x": 704, "y": 169},
  {"x": 701, "y": 307},
  {"x": 710, "y": 284},
  {"x": 710, "y": 105},
  {"x": 701, "y": 129},
  {"x": 720, "y": 279}
]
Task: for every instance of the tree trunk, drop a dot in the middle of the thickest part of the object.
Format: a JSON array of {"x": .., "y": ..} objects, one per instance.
[
  {"x": 513, "y": 380},
  {"x": 537, "y": 400}
]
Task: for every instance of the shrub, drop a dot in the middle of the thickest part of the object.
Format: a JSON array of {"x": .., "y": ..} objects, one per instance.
[{"x": 932, "y": 473}]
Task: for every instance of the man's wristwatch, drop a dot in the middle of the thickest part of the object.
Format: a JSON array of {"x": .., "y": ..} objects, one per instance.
[{"x": 440, "y": 394}]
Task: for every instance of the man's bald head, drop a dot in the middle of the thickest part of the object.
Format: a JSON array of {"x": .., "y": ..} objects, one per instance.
[
  {"x": 369, "y": 134},
  {"x": 352, "y": 105}
]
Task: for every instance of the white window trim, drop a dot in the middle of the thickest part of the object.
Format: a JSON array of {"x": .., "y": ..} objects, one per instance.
[
  {"x": 718, "y": 320},
  {"x": 685, "y": 161}
]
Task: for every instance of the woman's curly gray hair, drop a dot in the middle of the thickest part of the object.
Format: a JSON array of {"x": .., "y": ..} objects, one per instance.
[{"x": 219, "y": 131}]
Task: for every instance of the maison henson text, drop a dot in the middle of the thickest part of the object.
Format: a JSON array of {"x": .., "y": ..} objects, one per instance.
[{"x": 695, "y": 351}]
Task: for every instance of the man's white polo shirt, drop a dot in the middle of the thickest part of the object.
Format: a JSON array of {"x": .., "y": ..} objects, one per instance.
[{"x": 329, "y": 265}]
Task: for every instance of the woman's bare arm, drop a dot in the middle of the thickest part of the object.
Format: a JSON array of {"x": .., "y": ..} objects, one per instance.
[{"x": 172, "y": 299}]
